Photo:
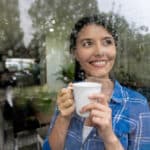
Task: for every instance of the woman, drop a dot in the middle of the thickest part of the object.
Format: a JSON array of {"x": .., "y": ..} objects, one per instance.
[{"x": 119, "y": 119}]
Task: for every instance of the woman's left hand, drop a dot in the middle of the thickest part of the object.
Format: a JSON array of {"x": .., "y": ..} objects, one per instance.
[{"x": 100, "y": 116}]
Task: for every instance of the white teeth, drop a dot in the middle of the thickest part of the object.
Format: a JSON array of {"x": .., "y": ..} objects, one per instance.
[{"x": 100, "y": 62}]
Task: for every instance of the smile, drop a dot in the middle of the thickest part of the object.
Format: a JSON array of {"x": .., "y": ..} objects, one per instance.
[{"x": 98, "y": 63}]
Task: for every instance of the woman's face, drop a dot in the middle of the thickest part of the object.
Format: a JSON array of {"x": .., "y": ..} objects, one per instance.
[{"x": 95, "y": 51}]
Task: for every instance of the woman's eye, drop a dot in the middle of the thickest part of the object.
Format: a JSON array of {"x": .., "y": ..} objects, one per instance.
[
  {"x": 86, "y": 43},
  {"x": 108, "y": 42}
]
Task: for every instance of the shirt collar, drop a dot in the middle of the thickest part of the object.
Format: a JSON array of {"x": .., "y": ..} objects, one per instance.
[{"x": 118, "y": 91}]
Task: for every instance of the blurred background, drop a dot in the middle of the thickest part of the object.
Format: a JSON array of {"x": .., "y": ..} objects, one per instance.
[{"x": 35, "y": 61}]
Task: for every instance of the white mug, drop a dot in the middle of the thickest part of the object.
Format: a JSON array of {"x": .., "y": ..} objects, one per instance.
[{"x": 81, "y": 92}]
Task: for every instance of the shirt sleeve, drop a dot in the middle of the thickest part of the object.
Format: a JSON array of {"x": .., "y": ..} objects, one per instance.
[
  {"x": 46, "y": 145},
  {"x": 141, "y": 140},
  {"x": 56, "y": 112}
]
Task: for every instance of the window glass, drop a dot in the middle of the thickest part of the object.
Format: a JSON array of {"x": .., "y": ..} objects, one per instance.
[{"x": 34, "y": 52}]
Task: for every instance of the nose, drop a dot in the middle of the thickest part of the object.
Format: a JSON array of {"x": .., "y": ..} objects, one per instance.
[{"x": 99, "y": 49}]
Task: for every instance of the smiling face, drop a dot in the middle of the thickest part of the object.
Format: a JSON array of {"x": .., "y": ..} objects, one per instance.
[{"x": 95, "y": 51}]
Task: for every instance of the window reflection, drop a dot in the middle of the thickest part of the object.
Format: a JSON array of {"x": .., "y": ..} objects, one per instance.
[{"x": 34, "y": 53}]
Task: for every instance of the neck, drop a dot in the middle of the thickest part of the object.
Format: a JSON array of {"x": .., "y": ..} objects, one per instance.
[
  {"x": 107, "y": 87},
  {"x": 107, "y": 84}
]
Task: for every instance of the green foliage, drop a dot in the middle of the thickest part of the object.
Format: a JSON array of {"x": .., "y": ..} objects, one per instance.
[
  {"x": 44, "y": 102},
  {"x": 38, "y": 96},
  {"x": 66, "y": 73},
  {"x": 10, "y": 32}
]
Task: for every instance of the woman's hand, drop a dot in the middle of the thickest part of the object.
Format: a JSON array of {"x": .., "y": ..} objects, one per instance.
[
  {"x": 65, "y": 102},
  {"x": 100, "y": 116}
]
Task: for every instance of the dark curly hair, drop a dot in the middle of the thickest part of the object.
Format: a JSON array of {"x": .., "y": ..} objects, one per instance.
[{"x": 106, "y": 21}]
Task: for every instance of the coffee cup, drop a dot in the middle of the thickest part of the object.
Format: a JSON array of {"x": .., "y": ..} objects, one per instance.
[{"x": 81, "y": 92}]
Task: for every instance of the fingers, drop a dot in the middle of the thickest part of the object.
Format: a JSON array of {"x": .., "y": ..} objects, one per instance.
[
  {"x": 65, "y": 104},
  {"x": 103, "y": 115},
  {"x": 100, "y": 115},
  {"x": 98, "y": 101},
  {"x": 65, "y": 93},
  {"x": 63, "y": 98},
  {"x": 65, "y": 101},
  {"x": 67, "y": 112},
  {"x": 70, "y": 85},
  {"x": 93, "y": 106},
  {"x": 97, "y": 113},
  {"x": 100, "y": 112},
  {"x": 102, "y": 121},
  {"x": 101, "y": 98}
]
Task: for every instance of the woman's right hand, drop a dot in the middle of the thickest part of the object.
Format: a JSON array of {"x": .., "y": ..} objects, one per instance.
[{"x": 65, "y": 102}]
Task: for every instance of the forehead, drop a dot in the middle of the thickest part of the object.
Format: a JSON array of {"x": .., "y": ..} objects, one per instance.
[{"x": 91, "y": 30}]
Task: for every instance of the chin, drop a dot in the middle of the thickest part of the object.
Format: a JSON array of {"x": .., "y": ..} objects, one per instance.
[{"x": 98, "y": 75}]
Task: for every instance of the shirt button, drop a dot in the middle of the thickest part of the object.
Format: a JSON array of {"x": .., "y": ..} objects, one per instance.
[{"x": 94, "y": 135}]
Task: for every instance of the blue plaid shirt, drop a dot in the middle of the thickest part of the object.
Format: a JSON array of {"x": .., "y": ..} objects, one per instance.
[{"x": 130, "y": 121}]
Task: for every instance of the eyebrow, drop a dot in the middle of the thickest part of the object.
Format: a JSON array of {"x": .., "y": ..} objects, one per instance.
[
  {"x": 109, "y": 37},
  {"x": 90, "y": 39},
  {"x": 86, "y": 39}
]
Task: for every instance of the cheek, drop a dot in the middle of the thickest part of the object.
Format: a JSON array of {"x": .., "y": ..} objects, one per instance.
[
  {"x": 81, "y": 56},
  {"x": 111, "y": 55}
]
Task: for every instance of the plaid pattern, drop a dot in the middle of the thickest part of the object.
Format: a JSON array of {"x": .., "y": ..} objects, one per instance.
[{"x": 130, "y": 121}]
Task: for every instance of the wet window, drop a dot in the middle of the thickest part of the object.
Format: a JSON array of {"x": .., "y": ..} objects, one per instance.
[{"x": 34, "y": 51}]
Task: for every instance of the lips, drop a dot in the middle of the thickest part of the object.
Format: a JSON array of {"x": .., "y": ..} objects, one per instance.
[{"x": 98, "y": 63}]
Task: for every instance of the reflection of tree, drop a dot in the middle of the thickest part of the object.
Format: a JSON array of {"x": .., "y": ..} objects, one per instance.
[
  {"x": 58, "y": 15},
  {"x": 133, "y": 50},
  {"x": 11, "y": 35},
  {"x": 10, "y": 32},
  {"x": 133, "y": 42}
]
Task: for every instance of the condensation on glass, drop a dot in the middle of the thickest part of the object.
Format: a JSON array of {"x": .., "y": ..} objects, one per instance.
[{"x": 34, "y": 45}]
